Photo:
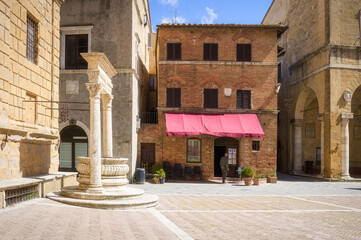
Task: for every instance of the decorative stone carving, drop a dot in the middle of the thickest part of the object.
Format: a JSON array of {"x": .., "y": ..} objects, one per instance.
[
  {"x": 72, "y": 87},
  {"x": 94, "y": 89},
  {"x": 227, "y": 92},
  {"x": 347, "y": 95},
  {"x": 107, "y": 100}
]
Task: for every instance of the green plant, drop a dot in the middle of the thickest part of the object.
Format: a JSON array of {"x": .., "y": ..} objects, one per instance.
[
  {"x": 247, "y": 172},
  {"x": 156, "y": 167},
  {"x": 273, "y": 174},
  {"x": 161, "y": 173},
  {"x": 259, "y": 176},
  {"x": 156, "y": 178}
]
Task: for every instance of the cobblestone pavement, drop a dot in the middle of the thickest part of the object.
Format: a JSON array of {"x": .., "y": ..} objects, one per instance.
[{"x": 317, "y": 210}]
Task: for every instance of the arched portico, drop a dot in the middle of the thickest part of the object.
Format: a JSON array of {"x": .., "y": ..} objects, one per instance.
[
  {"x": 355, "y": 135},
  {"x": 308, "y": 135}
]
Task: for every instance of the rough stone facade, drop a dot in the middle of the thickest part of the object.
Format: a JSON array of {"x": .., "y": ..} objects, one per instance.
[
  {"x": 114, "y": 28},
  {"x": 321, "y": 78},
  {"x": 193, "y": 75},
  {"x": 29, "y": 130}
]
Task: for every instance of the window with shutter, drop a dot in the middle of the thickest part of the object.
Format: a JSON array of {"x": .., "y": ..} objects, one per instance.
[
  {"x": 210, "y": 98},
  {"x": 74, "y": 45},
  {"x": 243, "y": 99},
  {"x": 210, "y": 52},
  {"x": 174, "y": 97},
  {"x": 244, "y": 52},
  {"x": 174, "y": 51}
]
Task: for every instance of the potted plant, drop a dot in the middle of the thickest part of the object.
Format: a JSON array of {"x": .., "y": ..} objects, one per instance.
[
  {"x": 155, "y": 170},
  {"x": 247, "y": 175},
  {"x": 259, "y": 179},
  {"x": 272, "y": 178},
  {"x": 162, "y": 175}
]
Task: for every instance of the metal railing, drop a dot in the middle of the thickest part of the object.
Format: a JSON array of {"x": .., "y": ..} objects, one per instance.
[{"x": 149, "y": 117}]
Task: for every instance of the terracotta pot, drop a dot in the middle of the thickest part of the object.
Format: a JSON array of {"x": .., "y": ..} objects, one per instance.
[
  {"x": 248, "y": 181},
  {"x": 259, "y": 181},
  {"x": 272, "y": 179}
]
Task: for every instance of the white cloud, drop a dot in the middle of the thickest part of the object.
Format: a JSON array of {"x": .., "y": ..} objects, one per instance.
[
  {"x": 170, "y": 2},
  {"x": 171, "y": 20},
  {"x": 211, "y": 16}
]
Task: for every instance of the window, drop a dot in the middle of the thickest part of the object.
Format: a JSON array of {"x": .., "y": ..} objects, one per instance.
[
  {"x": 31, "y": 40},
  {"x": 244, "y": 52},
  {"x": 255, "y": 145},
  {"x": 210, "y": 52},
  {"x": 193, "y": 150},
  {"x": 243, "y": 99},
  {"x": 74, "y": 45},
  {"x": 173, "y": 97},
  {"x": 174, "y": 51},
  {"x": 210, "y": 98}
]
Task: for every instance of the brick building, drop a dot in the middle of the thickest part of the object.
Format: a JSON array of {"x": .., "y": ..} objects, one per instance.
[
  {"x": 320, "y": 97},
  {"x": 208, "y": 75}
]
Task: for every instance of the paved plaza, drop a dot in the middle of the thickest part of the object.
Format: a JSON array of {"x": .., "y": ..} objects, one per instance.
[{"x": 294, "y": 208}]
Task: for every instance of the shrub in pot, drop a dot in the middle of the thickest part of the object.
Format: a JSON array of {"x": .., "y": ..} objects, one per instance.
[
  {"x": 272, "y": 178},
  {"x": 259, "y": 179},
  {"x": 162, "y": 175},
  {"x": 247, "y": 174}
]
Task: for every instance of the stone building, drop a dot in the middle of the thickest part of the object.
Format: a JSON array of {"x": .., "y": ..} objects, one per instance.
[
  {"x": 320, "y": 97},
  {"x": 122, "y": 31},
  {"x": 29, "y": 76},
  {"x": 216, "y": 93}
]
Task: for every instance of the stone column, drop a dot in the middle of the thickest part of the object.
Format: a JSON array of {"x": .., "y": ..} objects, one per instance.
[
  {"x": 297, "y": 149},
  {"x": 345, "y": 145},
  {"x": 320, "y": 119},
  {"x": 107, "y": 125},
  {"x": 95, "y": 185}
]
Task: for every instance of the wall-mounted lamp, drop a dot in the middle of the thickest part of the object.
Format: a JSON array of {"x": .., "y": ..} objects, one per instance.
[
  {"x": 3, "y": 142},
  {"x": 278, "y": 87}
]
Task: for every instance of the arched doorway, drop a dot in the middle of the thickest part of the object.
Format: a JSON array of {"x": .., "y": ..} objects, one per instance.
[
  {"x": 307, "y": 134},
  {"x": 221, "y": 146},
  {"x": 74, "y": 144},
  {"x": 355, "y": 134}
]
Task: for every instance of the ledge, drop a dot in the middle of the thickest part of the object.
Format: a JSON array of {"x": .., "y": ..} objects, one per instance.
[
  {"x": 229, "y": 63},
  {"x": 73, "y": 71},
  {"x": 216, "y": 111}
]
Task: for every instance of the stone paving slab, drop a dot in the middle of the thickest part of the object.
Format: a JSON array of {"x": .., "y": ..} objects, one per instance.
[
  {"x": 346, "y": 201},
  {"x": 46, "y": 219},
  {"x": 234, "y": 203}
]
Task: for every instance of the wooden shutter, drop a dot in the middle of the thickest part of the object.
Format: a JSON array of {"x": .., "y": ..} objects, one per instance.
[
  {"x": 243, "y": 99},
  {"x": 211, "y": 98},
  {"x": 170, "y": 51},
  {"x": 244, "y": 52},
  {"x": 206, "y": 51},
  {"x": 173, "y": 97},
  {"x": 247, "y": 52},
  {"x": 214, "y": 54},
  {"x": 177, "y": 51},
  {"x": 177, "y": 97}
]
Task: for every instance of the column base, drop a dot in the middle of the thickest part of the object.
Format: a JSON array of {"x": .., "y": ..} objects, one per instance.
[
  {"x": 95, "y": 190},
  {"x": 346, "y": 177}
]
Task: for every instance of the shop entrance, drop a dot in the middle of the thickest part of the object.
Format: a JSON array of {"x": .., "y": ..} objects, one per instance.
[{"x": 221, "y": 146}]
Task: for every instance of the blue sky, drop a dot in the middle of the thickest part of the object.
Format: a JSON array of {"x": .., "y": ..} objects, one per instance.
[{"x": 208, "y": 11}]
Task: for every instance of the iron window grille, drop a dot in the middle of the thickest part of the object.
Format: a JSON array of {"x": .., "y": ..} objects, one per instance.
[
  {"x": 15, "y": 196},
  {"x": 31, "y": 39},
  {"x": 255, "y": 145}
]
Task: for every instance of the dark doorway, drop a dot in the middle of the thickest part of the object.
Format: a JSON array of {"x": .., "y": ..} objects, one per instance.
[
  {"x": 219, "y": 152},
  {"x": 147, "y": 156},
  {"x": 74, "y": 144}
]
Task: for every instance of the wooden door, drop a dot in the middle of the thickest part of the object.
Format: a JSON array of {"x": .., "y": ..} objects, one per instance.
[{"x": 148, "y": 155}]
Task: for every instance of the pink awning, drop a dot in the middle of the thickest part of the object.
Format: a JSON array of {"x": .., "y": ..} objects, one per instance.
[{"x": 222, "y": 125}]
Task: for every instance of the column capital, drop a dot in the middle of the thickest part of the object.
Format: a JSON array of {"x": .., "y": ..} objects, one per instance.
[
  {"x": 345, "y": 117},
  {"x": 320, "y": 117},
  {"x": 107, "y": 100},
  {"x": 94, "y": 89},
  {"x": 297, "y": 122},
  {"x": 93, "y": 76}
]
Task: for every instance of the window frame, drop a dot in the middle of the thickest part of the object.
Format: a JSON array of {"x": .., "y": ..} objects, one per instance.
[
  {"x": 32, "y": 40},
  {"x": 239, "y": 91},
  {"x": 211, "y": 57},
  {"x": 174, "y": 100},
  {"x": 72, "y": 30},
  {"x": 200, "y": 150},
  {"x": 76, "y": 67},
  {"x": 243, "y": 57},
  {"x": 254, "y": 141},
  {"x": 174, "y": 44},
  {"x": 210, "y": 90}
]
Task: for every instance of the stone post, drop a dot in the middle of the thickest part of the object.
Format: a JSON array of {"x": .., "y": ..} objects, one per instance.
[
  {"x": 107, "y": 126},
  {"x": 345, "y": 162},
  {"x": 95, "y": 185},
  {"x": 297, "y": 150},
  {"x": 320, "y": 118}
]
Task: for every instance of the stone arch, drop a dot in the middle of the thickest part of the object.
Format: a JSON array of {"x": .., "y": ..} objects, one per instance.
[
  {"x": 211, "y": 83},
  {"x": 210, "y": 36},
  {"x": 174, "y": 81},
  {"x": 242, "y": 37},
  {"x": 243, "y": 83},
  {"x": 355, "y": 133},
  {"x": 77, "y": 123},
  {"x": 304, "y": 98},
  {"x": 172, "y": 38}
]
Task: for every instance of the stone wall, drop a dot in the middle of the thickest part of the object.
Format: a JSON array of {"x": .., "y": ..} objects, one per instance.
[{"x": 28, "y": 130}]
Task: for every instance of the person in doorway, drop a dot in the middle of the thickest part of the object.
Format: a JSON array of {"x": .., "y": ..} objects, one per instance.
[{"x": 224, "y": 166}]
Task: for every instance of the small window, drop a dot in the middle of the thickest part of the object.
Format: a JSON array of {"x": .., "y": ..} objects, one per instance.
[
  {"x": 151, "y": 83},
  {"x": 173, "y": 97},
  {"x": 74, "y": 45},
  {"x": 174, "y": 51},
  {"x": 210, "y": 98},
  {"x": 255, "y": 145},
  {"x": 193, "y": 150},
  {"x": 210, "y": 52},
  {"x": 244, "y": 52},
  {"x": 243, "y": 99},
  {"x": 31, "y": 40}
]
